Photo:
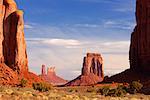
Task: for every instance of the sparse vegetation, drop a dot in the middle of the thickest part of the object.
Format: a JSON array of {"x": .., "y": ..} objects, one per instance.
[
  {"x": 23, "y": 82},
  {"x": 105, "y": 90},
  {"x": 91, "y": 90},
  {"x": 119, "y": 91},
  {"x": 62, "y": 93},
  {"x": 73, "y": 90},
  {"x": 135, "y": 87},
  {"x": 42, "y": 87}
]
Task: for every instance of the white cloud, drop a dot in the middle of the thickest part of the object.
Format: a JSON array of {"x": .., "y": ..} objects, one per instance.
[
  {"x": 55, "y": 41},
  {"x": 27, "y": 26},
  {"x": 128, "y": 9},
  {"x": 87, "y": 25},
  {"x": 67, "y": 54},
  {"x": 124, "y": 25},
  {"x": 63, "y": 42},
  {"x": 97, "y": 1}
]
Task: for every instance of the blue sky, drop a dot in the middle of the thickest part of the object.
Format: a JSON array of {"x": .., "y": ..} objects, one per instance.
[{"x": 60, "y": 32}]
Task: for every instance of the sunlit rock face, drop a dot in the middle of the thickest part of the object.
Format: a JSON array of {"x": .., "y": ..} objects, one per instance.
[
  {"x": 140, "y": 39},
  {"x": 13, "y": 56},
  {"x": 92, "y": 71},
  {"x": 93, "y": 63}
]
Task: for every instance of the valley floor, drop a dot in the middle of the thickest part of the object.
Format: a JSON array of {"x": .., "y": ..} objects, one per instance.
[{"x": 62, "y": 93}]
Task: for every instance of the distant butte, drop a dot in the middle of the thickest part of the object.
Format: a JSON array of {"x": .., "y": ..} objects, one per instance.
[
  {"x": 92, "y": 71},
  {"x": 51, "y": 76}
]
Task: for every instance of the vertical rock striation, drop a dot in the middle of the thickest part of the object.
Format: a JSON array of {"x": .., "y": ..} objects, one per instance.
[
  {"x": 93, "y": 63},
  {"x": 13, "y": 56},
  {"x": 12, "y": 40},
  {"x": 140, "y": 38},
  {"x": 92, "y": 71}
]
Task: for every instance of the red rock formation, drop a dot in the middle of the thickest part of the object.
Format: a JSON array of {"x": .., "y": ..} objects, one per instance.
[
  {"x": 51, "y": 76},
  {"x": 8, "y": 76},
  {"x": 139, "y": 49},
  {"x": 12, "y": 41},
  {"x": 43, "y": 70},
  {"x": 140, "y": 39},
  {"x": 13, "y": 56},
  {"x": 92, "y": 71}
]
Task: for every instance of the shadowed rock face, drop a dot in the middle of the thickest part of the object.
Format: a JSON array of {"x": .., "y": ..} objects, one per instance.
[
  {"x": 139, "y": 49},
  {"x": 140, "y": 39},
  {"x": 92, "y": 71},
  {"x": 51, "y": 76}
]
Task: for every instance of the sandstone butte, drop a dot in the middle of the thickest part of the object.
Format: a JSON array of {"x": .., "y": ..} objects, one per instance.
[
  {"x": 139, "y": 54},
  {"x": 13, "y": 55},
  {"x": 92, "y": 71},
  {"x": 51, "y": 76}
]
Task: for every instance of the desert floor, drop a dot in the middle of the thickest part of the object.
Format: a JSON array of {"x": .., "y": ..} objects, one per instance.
[{"x": 62, "y": 93}]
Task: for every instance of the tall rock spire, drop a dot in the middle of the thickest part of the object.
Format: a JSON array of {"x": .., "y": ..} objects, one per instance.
[
  {"x": 43, "y": 71},
  {"x": 12, "y": 40}
]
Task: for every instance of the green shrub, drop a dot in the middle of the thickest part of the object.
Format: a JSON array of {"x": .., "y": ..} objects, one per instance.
[
  {"x": 42, "y": 87},
  {"x": 23, "y": 82},
  {"x": 120, "y": 91},
  {"x": 105, "y": 90},
  {"x": 135, "y": 87}
]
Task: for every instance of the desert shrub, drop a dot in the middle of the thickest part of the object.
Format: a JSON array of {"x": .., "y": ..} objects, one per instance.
[
  {"x": 23, "y": 82},
  {"x": 135, "y": 87},
  {"x": 2, "y": 88},
  {"x": 72, "y": 90},
  {"x": 42, "y": 87},
  {"x": 91, "y": 90},
  {"x": 105, "y": 90},
  {"x": 120, "y": 91}
]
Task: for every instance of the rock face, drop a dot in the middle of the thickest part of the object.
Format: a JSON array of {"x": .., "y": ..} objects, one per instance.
[
  {"x": 12, "y": 41},
  {"x": 51, "y": 76},
  {"x": 139, "y": 49},
  {"x": 13, "y": 56},
  {"x": 92, "y": 71},
  {"x": 43, "y": 70},
  {"x": 140, "y": 39}
]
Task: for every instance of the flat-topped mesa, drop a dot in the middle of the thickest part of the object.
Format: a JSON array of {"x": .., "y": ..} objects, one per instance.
[
  {"x": 93, "y": 63},
  {"x": 140, "y": 39},
  {"x": 92, "y": 71}
]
